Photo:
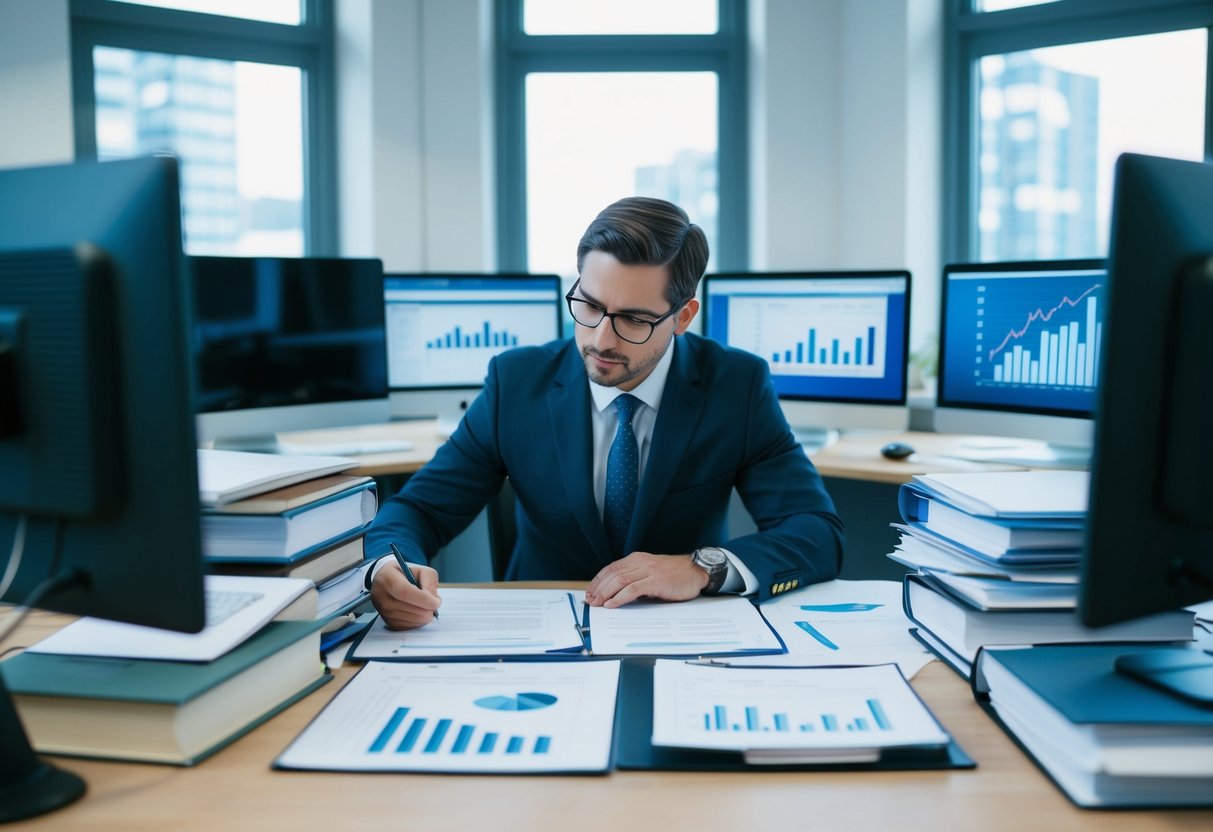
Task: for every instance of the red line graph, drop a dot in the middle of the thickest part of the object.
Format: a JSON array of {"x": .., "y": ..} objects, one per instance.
[{"x": 1040, "y": 315}]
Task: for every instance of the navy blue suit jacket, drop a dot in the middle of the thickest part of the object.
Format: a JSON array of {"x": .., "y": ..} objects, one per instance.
[{"x": 719, "y": 427}]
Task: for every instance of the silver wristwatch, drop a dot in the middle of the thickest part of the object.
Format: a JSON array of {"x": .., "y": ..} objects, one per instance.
[{"x": 716, "y": 563}]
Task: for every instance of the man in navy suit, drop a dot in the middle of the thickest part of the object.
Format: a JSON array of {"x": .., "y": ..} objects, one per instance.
[{"x": 630, "y": 495}]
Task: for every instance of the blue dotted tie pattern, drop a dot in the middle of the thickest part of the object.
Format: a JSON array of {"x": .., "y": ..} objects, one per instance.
[{"x": 622, "y": 475}]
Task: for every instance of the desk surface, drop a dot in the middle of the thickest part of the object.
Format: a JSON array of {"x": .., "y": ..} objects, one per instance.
[
  {"x": 236, "y": 790},
  {"x": 855, "y": 456}
]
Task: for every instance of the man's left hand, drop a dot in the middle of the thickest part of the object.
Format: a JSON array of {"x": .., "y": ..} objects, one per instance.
[{"x": 645, "y": 575}]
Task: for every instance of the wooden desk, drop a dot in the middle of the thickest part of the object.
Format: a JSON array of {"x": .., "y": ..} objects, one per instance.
[
  {"x": 236, "y": 790},
  {"x": 855, "y": 456}
]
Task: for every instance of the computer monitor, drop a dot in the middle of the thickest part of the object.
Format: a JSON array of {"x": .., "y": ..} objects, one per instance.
[
  {"x": 1018, "y": 358},
  {"x": 1149, "y": 541},
  {"x": 98, "y": 461},
  {"x": 287, "y": 344},
  {"x": 836, "y": 343},
  {"x": 442, "y": 330}
]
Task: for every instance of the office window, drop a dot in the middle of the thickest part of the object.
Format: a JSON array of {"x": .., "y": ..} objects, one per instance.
[
  {"x": 584, "y": 151},
  {"x": 620, "y": 17},
  {"x": 1041, "y": 109},
  {"x": 289, "y": 12},
  {"x": 587, "y": 118},
  {"x": 245, "y": 110}
]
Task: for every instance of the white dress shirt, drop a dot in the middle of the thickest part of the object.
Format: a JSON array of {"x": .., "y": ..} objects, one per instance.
[{"x": 605, "y": 420}]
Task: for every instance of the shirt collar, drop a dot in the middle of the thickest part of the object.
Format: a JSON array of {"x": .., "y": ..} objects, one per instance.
[{"x": 648, "y": 391}]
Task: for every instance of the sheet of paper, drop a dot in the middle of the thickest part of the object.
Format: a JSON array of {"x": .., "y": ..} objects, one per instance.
[
  {"x": 742, "y": 708},
  {"x": 480, "y": 622},
  {"x": 703, "y": 626},
  {"x": 842, "y": 623},
  {"x": 499, "y": 717},
  {"x": 237, "y": 607}
]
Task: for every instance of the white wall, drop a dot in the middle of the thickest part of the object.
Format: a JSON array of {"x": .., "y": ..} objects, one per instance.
[
  {"x": 846, "y": 112},
  {"x": 415, "y": 132},
  {"x": 35, "y": 83}
]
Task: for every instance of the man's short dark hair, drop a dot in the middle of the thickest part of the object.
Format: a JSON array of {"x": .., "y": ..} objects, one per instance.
[{"x": 643, "y": 231}]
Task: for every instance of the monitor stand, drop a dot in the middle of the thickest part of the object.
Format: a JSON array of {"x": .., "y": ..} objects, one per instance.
[
  {"x": 814, "y": 438},
  {"x": 1181, "y": 672},
  {"x": 28, "y": 786},
  {"x": 1025, "y": 452}
]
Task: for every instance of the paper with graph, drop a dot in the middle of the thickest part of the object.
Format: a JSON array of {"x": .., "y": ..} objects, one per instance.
[
  {"x": 786, "y": 714},
  {"x": 469, "y": 717}
]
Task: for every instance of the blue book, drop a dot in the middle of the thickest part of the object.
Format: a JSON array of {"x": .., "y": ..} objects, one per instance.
[
  {"x": 1104, "y": 738},
  {"x": 291, "y": 535},
  {"x": 992, "y": 536}
]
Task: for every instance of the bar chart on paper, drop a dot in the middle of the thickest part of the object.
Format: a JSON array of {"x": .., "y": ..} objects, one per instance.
[
  {"x": 696, "y": 706},
  {"x": 1042, "y": 335},
  {"x": 469, "y": 717},
  {"x": 828, "y": 335}
]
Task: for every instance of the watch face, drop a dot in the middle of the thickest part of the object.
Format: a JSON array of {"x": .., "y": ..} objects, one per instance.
[{"x": 710, "y": 557}]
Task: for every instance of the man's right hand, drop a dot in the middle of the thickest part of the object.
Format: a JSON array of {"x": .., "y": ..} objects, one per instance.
[{"x": 402, "y": 605}]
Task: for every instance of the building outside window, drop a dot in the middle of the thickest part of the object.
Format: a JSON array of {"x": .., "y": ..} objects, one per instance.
[{"x": 172, "y": 78}]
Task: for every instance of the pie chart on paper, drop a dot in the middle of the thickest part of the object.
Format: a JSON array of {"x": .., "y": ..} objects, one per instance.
[{"x": 521, "y": 702}]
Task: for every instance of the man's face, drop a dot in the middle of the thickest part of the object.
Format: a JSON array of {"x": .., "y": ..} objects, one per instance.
[{"x": 636, "y": 291}]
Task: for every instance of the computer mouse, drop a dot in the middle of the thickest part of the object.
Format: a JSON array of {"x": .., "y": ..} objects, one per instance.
[{"x": 896, "y": 450}]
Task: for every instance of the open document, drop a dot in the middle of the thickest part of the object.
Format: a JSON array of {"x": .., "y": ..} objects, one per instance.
[
  {"x": 484, "y": 623},
  {"x": 843, "y": 623},
  {"x": 790, "y": 715},
  {"x": 723, "y": 624},
  {"x": 496, "y": 622},
  {"x": 496, "y": 718}
]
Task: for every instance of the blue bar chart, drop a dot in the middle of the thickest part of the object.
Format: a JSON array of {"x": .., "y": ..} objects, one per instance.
[
  {"x": 402, "y": 734},
  {"x": 827, "y": 335},
  {"x": 756, "y": 719},
  {"x": 799, "y": 709},
  {"x": 465, "y": 717},
  {"x": 476, "y": 338},
  {"x": 1039, "y": 339}
]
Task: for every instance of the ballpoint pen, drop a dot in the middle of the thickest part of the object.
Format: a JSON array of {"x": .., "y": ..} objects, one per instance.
[{"x": 404, "y": 567}]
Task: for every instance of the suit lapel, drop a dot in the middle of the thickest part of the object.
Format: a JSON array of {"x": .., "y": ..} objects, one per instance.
[
  {"x": 569, "y": 415},
  {"x": 682, "y": 405}
]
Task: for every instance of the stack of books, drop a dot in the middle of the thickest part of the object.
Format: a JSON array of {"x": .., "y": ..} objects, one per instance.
[
  {"x": 1104, "y": 737},
  {"x": 288, "y": 516},
  {"x": 994, "y": 561},
  {"x": 119, "y": 691}
]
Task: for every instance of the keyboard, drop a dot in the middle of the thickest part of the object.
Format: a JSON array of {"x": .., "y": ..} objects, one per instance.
[{"x": 222, "y": 604}]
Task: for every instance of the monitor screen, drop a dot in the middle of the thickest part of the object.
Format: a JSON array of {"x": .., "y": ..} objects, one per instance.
[
  {"x": 1019, "y": 355},
  {"x": 98, "y": 461},
  {"x": 831, "y": 339},
  {"x": 442, "y": 330},
  {"x": 286, "y": 344}
]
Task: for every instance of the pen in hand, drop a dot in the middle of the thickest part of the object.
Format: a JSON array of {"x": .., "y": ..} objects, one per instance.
[{"x": 404, "y": 567}]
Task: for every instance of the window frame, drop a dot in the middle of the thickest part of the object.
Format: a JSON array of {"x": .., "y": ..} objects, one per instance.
[
  {"x": 518, "y": 54},
  {"x": 971, "y": 35},
  {"x": 308, "y": 46}
]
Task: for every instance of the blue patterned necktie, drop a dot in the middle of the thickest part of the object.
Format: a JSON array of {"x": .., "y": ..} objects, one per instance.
[{"x": 622, "y": 475}]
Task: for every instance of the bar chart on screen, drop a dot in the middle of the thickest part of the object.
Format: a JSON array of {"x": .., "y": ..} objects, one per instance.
[
  {"x": 817, "y": 334},
  {"x": 1046, "y": 335},
  {"x": 465, "y": 717}
]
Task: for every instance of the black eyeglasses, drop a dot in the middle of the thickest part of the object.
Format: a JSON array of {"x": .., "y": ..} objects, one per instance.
[{"x": 628, "y": 327}]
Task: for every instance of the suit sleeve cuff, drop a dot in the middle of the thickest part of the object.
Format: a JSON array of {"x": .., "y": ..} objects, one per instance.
[{"x": 740, "y": 580}]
